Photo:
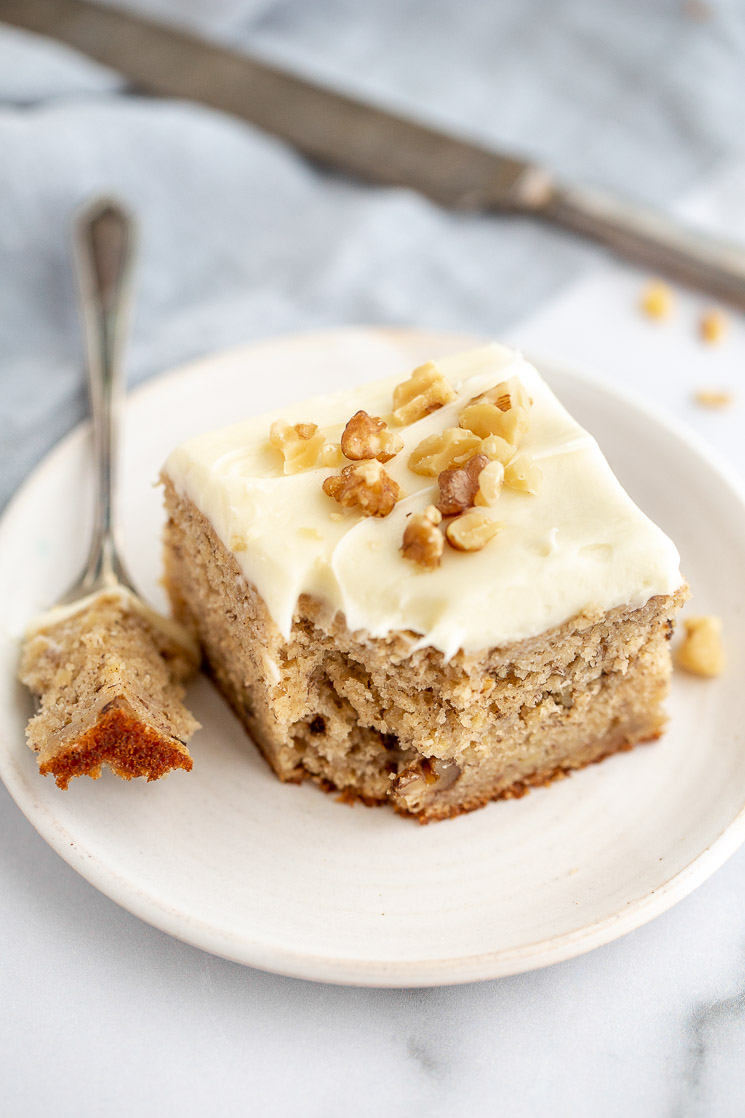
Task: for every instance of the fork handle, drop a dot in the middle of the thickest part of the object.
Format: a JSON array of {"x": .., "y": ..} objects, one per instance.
[{"x": 103, "y": 250}]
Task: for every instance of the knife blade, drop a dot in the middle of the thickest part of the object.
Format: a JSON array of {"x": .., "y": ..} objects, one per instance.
[{"x": 371, "y": 143}]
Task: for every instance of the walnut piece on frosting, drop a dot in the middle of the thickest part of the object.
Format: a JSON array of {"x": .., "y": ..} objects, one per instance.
[
  {"x": 506, "y": 395},
  {"x": 523, "y": 474},
  {"x": 300, "y": 444},
  {"x": 366, "y": 436},
  {"x": 366, "y": 486},
  {"x": 423, "y": 542},
  {"x": 459, "y": 486},
  {"x": 701, "y": 651},
  {"x": 472, "y": 530},
  {"x": 498, "y": 449},
  {"x": 443, "y": 452},
  {"x": 491, "y": 480},
  {"x": 424, "y": 392},
  {"x": 472, "y": 463},
  {"x": 504, "y": 411},
  {"x": 331, "y": 456}
]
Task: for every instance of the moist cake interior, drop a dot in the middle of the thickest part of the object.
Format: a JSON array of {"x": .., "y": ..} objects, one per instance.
[{"x": 381, "y": 720}]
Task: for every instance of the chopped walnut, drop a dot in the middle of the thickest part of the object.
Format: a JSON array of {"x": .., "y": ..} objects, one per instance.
[
  {"x": 657, "y": 300},
  {"x": 487, "y": 419},
  {"x": 472, "y": 530},
  {"x": 424, "y": 392},
  {"x": 482, "y": 418},
  {"x": 702, "y": 651},
  {"x": 442, "y": 452},
  {"x": 426, "y": 776},
  {"x": 523, "y": 474},
  {"x": 300, "y": 445},
  {"x": 503, "y": 411},
  {"x": 504, "y": 401},
  {"x": 712, "y": 326},
  {"x": 498, "y": 448},
  {"x": 506, "y": 395},
  {"x": 459, "y": 486},
  {"x": 713, "y": 398},
  {"x": 331, "y": 455},
  {"x": 423, "y": 542},
  {"x": 365, "y": 485},
  {"x": 366, "y": 436},
  {"x": 491, "y": 480}
]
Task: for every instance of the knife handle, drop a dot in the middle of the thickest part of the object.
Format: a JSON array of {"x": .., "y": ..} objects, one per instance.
[{"x": 652, "y": 239}]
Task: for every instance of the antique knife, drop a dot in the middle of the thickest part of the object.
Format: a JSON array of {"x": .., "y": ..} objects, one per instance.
[{"x": 371, "y": 143}]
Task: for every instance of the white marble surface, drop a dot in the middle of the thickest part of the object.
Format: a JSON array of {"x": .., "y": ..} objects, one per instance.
[{"x": 100, "y": 1014}]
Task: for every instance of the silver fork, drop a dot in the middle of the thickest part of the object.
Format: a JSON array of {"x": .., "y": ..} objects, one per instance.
[
  {"x": 104, "y": 242},
  {"x": 104, "y": 246}
]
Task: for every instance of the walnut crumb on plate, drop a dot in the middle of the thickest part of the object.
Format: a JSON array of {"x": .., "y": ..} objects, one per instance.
[
  {"x": 712, "y": 326},
  {"x": 657, "y": 300},
  {"x": 701, "y": 651},
  {"x": 713, "y": 398}
]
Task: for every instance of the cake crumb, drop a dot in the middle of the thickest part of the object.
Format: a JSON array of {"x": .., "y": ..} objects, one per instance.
[
  {"x": 713, "y": 398},
  {"x": 712, "y": 326},
  {"x": 657, "y": 300},
  {"x": 701, "y": 651}
]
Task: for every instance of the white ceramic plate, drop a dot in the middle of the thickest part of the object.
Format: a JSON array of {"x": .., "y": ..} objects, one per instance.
[{"x": 286, "y": 878}]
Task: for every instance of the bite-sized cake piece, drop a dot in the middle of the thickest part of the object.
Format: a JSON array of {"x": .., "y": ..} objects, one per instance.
[
  {"x": 109, "y": 675},
  {"x": 430, "y": 590}
]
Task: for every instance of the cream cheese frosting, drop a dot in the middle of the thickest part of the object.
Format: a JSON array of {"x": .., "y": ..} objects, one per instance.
[{"x": 580, "y": 545}]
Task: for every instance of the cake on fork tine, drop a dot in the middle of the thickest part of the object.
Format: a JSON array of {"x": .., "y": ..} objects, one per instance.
[
  {"x": 108, "y": 673},
  {"x": 430, "y": 591}
]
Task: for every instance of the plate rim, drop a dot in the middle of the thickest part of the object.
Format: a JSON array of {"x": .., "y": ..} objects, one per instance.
[{"x": 349, "y": 971}]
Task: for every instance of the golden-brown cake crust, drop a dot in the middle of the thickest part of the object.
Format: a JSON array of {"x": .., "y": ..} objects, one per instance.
[{"x": 124, "y": 743}]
